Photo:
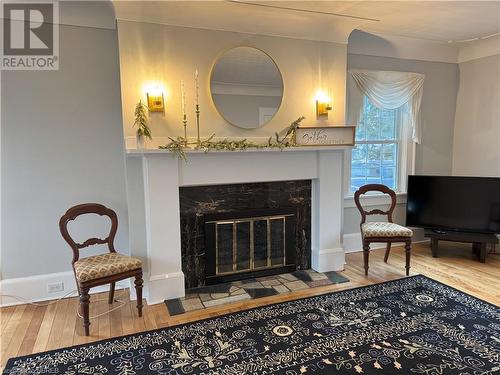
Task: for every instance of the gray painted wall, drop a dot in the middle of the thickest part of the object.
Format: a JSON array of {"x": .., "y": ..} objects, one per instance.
[
  {"x": 62, "y": 144},
  {"x": 434, "y": 154},
  {"x": 476, "y": 147}
]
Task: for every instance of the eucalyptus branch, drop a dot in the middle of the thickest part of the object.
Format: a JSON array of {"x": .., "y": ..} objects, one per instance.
[
  {"x": 176, "y": 146},
  {"x": 179, "y": 145}
]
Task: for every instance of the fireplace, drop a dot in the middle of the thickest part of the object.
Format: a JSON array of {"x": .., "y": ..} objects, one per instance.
[
  {"x": 168, "y": 198},
  {"x": 246, "y": 244},
  {"x": 236, "y": 231}
]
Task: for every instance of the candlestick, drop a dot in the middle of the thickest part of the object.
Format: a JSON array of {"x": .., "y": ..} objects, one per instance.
[
  {"x": 184, "y": 122},
  {"x": 198, "y": 122},
  {"x": 197, "y": 87}
]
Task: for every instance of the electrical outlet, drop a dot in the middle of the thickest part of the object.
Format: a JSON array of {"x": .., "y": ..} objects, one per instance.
[{"x": 55, "y": 287}]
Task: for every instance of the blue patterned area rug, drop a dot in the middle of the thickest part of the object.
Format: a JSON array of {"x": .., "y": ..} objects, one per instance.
[{"x": 409, "y": 326}]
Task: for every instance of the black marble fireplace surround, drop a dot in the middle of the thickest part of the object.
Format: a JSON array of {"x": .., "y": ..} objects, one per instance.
[{"x": 198, "y": 201}]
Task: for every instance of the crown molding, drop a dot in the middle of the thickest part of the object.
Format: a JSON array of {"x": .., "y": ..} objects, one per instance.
[{"x": 479, "y": 48}]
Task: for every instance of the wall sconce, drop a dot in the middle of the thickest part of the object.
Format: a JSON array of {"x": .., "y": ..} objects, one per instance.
[
  {"x": 322, "y": 105},
  {"x": 155, "y": 98}
]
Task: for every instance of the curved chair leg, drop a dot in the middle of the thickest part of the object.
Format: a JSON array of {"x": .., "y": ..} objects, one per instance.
[
  {"x": 387, "y": 251},
  {"x": 366, "y": 255},
  {"x": 408, "y": 251},
  {"x": 111, "y": 293},
  {"x": 84, "y": 304},
  {"x": 138, "y": 291}
]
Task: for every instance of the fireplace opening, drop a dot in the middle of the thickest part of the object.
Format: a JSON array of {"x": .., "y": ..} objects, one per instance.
[
  {"x": 263, "y": 203},
  {"x": 245, "y": 244}
]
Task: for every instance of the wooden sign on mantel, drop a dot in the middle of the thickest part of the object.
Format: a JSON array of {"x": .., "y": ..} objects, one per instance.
[{"x": 326, "y": 136}]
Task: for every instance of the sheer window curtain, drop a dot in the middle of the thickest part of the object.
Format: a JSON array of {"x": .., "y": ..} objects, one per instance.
[{"x": 386, "y": 90}]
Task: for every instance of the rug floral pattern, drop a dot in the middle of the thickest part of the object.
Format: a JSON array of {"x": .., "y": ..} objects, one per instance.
[{"x": 409, "y": 326}]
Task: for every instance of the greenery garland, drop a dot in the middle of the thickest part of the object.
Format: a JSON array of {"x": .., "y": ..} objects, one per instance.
[{"x": 179, "y": 145}]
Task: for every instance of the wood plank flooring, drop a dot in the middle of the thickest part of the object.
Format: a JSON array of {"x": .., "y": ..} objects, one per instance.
[{"x": 28, "y": 329}]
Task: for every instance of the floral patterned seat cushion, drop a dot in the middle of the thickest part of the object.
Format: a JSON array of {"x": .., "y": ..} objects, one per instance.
[
  {"x": 102, "y": 265},
  {"x": 383, "y": 229}
]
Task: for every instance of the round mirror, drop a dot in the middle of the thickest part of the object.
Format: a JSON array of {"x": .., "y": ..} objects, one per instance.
[{"x": 246, "y": 87}]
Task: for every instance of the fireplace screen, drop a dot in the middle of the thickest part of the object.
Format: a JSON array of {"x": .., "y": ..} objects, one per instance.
[{"x": 240, "y": 245}]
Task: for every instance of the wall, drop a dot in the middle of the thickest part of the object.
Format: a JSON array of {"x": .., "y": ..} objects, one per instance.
[
  {"x": 434, "y": 154},
  {"x": 476, "y": 150},
  {"x": 62, "y": 144},
  {"x": 167, "y": 54}
]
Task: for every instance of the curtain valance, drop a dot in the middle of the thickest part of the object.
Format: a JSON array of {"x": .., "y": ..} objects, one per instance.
[{"x": 389, "y": 90}]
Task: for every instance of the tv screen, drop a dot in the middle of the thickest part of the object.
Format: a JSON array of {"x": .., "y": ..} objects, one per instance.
[{"x": 469, "y": 204}]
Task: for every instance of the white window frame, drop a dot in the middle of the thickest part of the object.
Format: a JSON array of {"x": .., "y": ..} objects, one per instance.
[{"x": 405, "y": 166}]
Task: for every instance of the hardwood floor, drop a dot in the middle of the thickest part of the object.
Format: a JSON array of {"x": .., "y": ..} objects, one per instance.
[{"x": 27, "y": 329}]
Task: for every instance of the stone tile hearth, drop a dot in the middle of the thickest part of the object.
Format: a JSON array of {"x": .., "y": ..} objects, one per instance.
[{"x": 220, "y": 294}]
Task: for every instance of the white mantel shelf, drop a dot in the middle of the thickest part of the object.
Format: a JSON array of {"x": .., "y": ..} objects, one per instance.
[
  {"x": 163, "y": 173},
  {"x": 133, "y": 151}
]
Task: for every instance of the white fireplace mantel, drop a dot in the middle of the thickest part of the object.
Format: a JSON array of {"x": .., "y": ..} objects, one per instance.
[{"x": 163, "y": 173}]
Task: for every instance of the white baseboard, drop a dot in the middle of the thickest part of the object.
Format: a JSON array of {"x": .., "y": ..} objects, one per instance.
[
  {"x": 163, "y": 287},
  {"x": 34, "y": 288},
  {"x": 352, "y": 243},
  {"x": 326, "y": 260}
]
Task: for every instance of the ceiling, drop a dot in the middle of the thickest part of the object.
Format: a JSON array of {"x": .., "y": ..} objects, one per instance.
[
  {"x": 432, "y": 20},
  {"x": 440, "y": 21}
]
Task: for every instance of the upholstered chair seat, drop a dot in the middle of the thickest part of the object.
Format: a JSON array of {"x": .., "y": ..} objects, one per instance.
[
  {"x": 102, "y": 265},
  {"x": 385, "y": 229}
]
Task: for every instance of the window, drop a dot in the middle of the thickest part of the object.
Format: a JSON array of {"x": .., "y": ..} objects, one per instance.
[{"x": 376, "y": 158}]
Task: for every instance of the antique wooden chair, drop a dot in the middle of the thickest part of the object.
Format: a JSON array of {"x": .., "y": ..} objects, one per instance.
[
  {"x": 385, "y": 232},
  {"x": 99, "y": 269}
]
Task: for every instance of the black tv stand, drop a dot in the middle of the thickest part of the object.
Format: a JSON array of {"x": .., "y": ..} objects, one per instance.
[
  {"x": 438, "y": 231},
  {"x": 478, "y": 240}
]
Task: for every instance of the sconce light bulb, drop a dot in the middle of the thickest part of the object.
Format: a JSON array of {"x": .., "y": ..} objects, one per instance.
[{"x": 322, "y": 97}]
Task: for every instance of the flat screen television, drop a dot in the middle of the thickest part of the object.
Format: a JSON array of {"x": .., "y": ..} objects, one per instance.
[{"x": 465, "y": 204}]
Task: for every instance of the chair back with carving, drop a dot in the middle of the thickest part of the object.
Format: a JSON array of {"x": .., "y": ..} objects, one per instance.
[
  {"x": 88, "y": 208},
  {"x": 375, "y": 187}
]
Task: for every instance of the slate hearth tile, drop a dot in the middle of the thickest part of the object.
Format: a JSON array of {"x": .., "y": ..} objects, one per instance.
[
  {"x": 316, "y": 275},
  {"x": 262, "y": 292},
  {"x": 174, "y": 306},
  {"x": 222, "y": 301},
  {"x": 272, "y": 282},
  {"x": 219, "y": 295},
  {"x": 336, "y": 278},
  {"x": 247, "y": 281},
  {"x": 217, "y": 288},
  {"x": 297, "y": 285},
  {"x": 281, "y": 289},
  {"x": 205, "y": 297},
  {"x": 302, "y": 275},
  {"x": 189, "y": 296},
  {"x": 192, "y": 304},
  {"x": 238, "y": 292},
  {"x": 313, "y": 284},
  {"x": 253, "y": 285},
  {"x": 288, "y": 277}
]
